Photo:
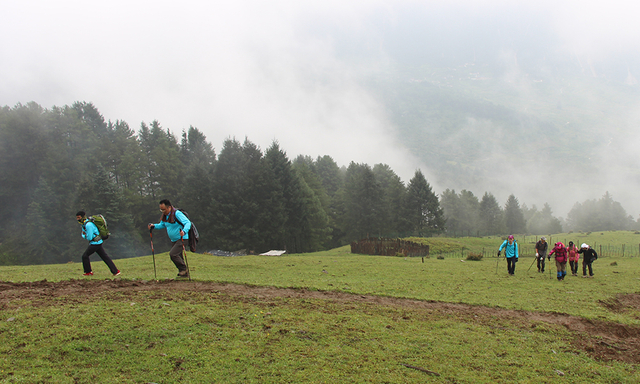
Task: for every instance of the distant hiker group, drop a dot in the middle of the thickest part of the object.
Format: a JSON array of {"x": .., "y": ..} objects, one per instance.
[
  {"x": 561, "y": 253},
  {"x": 176, "y": 221}
]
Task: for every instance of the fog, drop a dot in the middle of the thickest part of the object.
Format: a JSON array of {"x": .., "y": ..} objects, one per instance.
[{"x": 301, "y": 72}]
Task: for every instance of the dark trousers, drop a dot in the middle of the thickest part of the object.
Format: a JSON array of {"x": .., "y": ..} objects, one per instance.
[
  {"x": 86, "y": 263},
  {"x": 511, "y": 265},
  {"x": 541, "y": 263},
  {"x": 586, "y": 265},
  {"x": 574, "y": 267},
  {"x": 176, "y": 256}
]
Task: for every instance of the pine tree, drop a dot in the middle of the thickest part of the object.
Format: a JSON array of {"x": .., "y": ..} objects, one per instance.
[
  {"x": 423, "y": 208},
  {"x": 393, "y": 193},
  {"x": 514, "y": 217},
  {"x": 490, "y": 215},
  {"x": 363, "y": 203}
]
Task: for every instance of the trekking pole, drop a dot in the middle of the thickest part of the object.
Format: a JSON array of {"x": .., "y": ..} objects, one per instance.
[
  {"x": 153, "y": 254},
  {"x": 550, "y": 277},
  {"x": 534, "y": 260},
  {"x": 497, "y": 262},
  {"x": 184, "y": 256}
]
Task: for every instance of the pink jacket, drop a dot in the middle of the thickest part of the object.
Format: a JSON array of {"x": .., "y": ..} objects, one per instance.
[
  {"x": 561, "y": 252},
  {"x": 573, "y": 253}
]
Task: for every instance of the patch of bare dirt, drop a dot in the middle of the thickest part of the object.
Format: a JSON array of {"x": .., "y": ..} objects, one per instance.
[{"x": 600, "y": 339}]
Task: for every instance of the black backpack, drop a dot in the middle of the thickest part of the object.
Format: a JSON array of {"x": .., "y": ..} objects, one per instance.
[{"x": 194, "y": 236}]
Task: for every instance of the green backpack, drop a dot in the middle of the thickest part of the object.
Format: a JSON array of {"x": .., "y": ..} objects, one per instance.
[{"x": 101, "y": 223}]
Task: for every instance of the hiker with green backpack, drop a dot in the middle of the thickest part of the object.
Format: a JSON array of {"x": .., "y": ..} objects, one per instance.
[{"x": 91, "y": 232}]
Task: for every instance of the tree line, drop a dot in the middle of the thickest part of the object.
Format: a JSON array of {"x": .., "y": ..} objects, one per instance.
[{"x": 54, "y": 162}]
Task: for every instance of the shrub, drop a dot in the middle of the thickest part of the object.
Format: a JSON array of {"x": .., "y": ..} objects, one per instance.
[
  {"x": 440, "y": 257},
  {"x": 474, "y": 256}
]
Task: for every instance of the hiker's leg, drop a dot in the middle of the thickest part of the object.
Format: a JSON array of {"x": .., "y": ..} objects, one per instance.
[
  {"x": 107, "y": 260},
  {"x": 176, "y": 256},
  {"x": 86, "y": 263}
]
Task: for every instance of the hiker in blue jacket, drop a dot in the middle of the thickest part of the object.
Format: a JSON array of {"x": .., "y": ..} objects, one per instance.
[
  {"x": 177, "y": 225},
  {"x": 510, "y": 247},
  {"x": 90, "y": 232}
]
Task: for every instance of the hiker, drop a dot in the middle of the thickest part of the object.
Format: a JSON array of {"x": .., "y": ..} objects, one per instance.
[
  {"x": 510, "y": 247},
  {"x": 177, "y": 225},
  {"x": 561, "y": 259},
  {"x": 589, "y": 255},
  {"x": 541, "y": 251},
  {"x": 90, "y": 232},
  {"x": 573, "y": 258}
]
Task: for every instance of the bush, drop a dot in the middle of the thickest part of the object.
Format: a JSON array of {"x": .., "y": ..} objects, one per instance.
[
  {"x": 474, "y": 256},
  {"x": 440, "y": 257}
]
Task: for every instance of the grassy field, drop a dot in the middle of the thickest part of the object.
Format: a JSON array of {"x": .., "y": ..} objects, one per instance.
[{"x": 387, "y": 321}]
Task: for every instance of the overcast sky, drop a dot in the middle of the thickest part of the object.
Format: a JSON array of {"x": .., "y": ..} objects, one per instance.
[{"x": 276, "y": 70}]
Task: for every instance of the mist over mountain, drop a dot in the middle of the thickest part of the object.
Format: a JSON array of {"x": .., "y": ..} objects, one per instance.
[
  {"x": 538, "y": 99},
  {"x": 502, "y": 103}
]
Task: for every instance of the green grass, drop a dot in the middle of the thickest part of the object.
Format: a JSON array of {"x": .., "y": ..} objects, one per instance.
[
  {"x": 196, "y": 337},
  {"x": 165, "y": 336}
]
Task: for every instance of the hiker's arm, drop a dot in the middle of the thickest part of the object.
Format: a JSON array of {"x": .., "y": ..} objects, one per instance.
[
  {"x": 160, "y": 225},
  {"x": 92, "y": 231},
  {"x": 182, "y": 218}
]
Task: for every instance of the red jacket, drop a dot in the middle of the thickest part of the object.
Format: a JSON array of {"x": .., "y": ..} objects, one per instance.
[{"x": 561, "y": 252}]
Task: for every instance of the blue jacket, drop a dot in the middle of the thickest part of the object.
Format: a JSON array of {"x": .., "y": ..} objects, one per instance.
[
  {"x": 173, "y": 229},
  {"x": 511, "y": 249},
  {"x": 90, "y": 231}
]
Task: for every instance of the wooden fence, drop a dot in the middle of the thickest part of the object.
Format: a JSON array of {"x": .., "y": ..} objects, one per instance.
[
  {"x": 389, "y": 247},
  {"x": 528, "y": 250}
]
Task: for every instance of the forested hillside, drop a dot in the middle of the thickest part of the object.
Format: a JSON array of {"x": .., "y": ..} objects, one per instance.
[{"x": 58, "y": 161}]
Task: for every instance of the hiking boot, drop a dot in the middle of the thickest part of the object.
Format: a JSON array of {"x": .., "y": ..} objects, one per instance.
[
  {"x": 88, "y": 274},
  {"x": 585, "y": 276},
  {"x": 117, "y": 273},
  {"x": 183, "y": 274}
]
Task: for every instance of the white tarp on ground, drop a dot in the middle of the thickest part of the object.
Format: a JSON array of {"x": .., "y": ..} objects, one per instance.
[{"x": 273, "y": 253}]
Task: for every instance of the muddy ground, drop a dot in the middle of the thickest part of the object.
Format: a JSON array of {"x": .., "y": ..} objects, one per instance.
[{"x": 599, "y": 339}]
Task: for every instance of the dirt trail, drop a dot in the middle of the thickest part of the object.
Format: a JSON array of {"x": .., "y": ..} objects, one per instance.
[{"x": 600, "y": 339}]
